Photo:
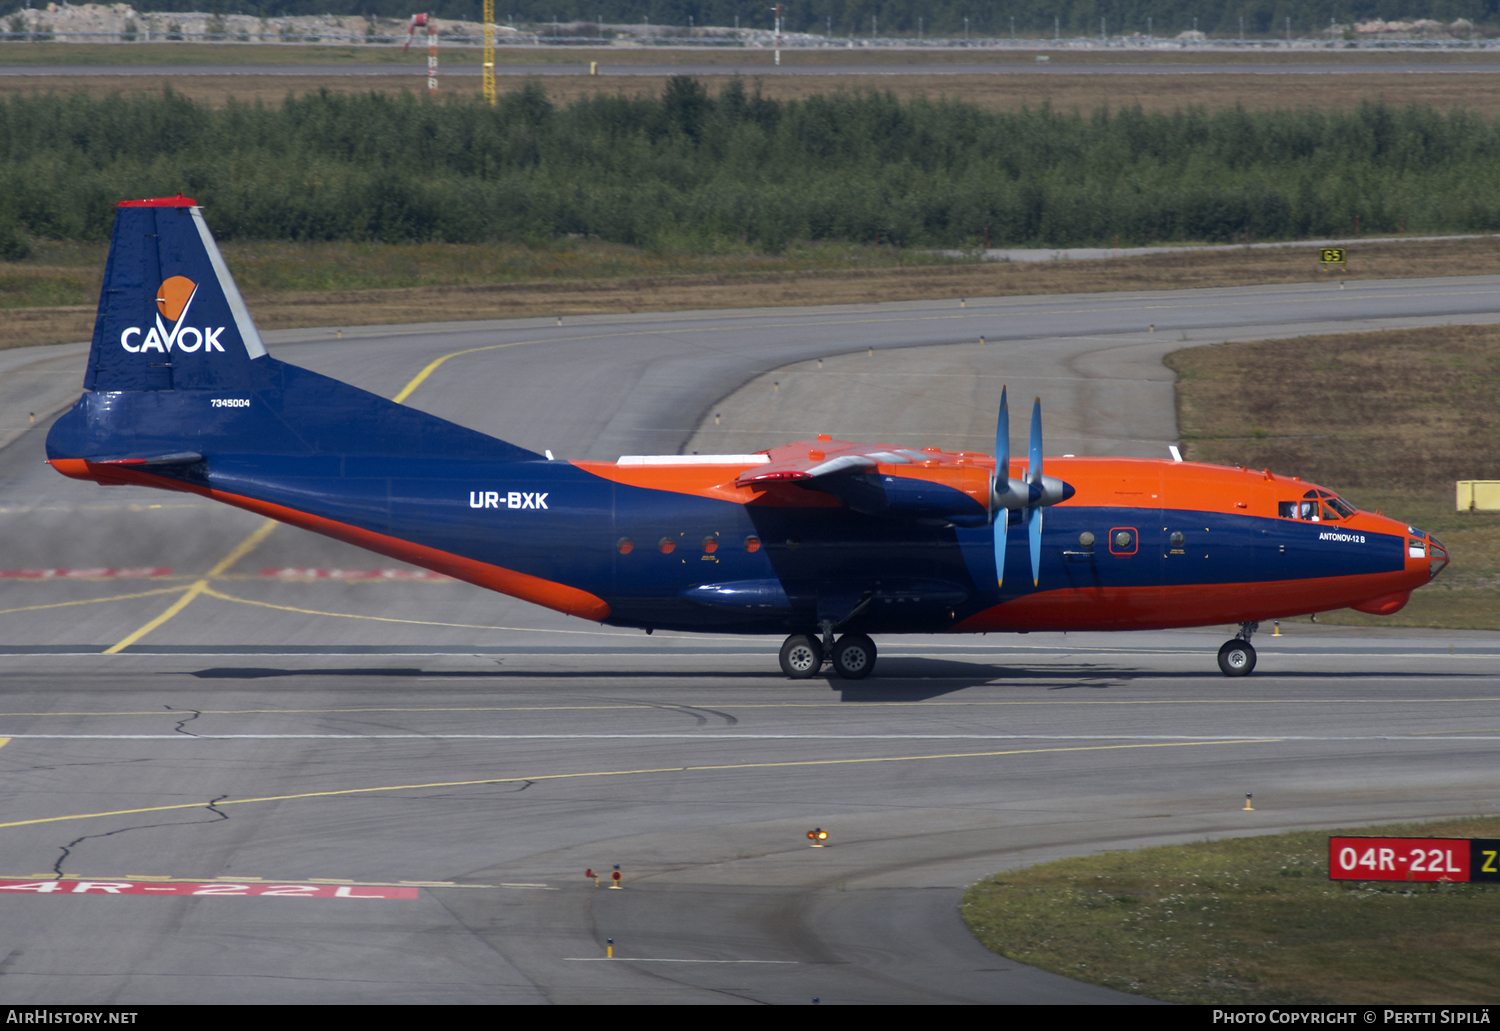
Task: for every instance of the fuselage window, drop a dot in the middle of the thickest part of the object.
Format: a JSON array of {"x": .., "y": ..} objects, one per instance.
[{"x": 1297, "y": 509}]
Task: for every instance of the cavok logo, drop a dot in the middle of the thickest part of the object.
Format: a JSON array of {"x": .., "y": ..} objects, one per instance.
[{"x": 173, "y": 299}]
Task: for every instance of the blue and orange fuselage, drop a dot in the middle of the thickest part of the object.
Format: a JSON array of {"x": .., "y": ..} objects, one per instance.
[
  {"x": 684, "y": 547},
  {"x": 181, "y": 394}
]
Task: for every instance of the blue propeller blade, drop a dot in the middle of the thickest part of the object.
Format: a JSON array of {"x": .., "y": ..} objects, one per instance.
[
  {"x": 1034, "y": 479},
  {"x": 1034, "y": 531},
  {"x": 1034, "y": 451},
  {"x": 1002, "y": 439},
  {"x": 1001, "y": 521}
]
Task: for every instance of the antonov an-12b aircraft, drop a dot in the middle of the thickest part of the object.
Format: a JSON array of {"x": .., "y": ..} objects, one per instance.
[{"x": 825, "y": 541}]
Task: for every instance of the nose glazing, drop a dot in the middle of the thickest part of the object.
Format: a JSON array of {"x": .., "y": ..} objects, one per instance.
[{"x": 1437, "y": 556}]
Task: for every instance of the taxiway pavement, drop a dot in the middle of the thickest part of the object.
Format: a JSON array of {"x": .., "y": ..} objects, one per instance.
[{"x": 289, "y": 727}]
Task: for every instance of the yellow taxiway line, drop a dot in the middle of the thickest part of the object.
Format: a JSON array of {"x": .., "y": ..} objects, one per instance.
[
  {"x": 241, "y": 549},
  {"x": 537, "y": 778}
]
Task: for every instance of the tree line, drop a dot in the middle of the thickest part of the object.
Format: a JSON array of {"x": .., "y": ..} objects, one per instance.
[
  {"x": 691, "y": 170},
  {"x": 903, "y": 17}
]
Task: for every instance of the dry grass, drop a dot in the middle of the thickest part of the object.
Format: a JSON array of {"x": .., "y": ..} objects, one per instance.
[
  {"x": 652, "y": 282},
  {"x": 1406, "y": 409},
  {"x": 1085, "y": 93},
  {"x": 1389, "y": 419},
  {"x": 1249, "y": 921},
  {"x": 230, "y": 54}
]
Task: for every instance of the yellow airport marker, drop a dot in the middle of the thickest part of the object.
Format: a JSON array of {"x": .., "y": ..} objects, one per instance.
[
  {"x": 1277, "y": 631},
  {"x": 609, "y": 948},
  {"x": 1248, "y": 807}
]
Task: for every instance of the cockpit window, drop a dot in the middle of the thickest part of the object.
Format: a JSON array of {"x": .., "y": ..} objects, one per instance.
[
  {"x": 1342, "y": 507},
  {"x": 1315, "y": 506}
]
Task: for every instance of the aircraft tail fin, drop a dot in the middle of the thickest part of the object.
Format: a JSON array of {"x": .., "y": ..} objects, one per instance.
[
  {"x": 170, "y": 316},
  {"x": 177, "y": 367}
]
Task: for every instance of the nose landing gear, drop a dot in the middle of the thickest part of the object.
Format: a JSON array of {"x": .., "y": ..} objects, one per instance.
[{"x": 1237, "y": 657}]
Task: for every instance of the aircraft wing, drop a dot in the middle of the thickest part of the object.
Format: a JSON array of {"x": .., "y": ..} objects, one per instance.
[
  {"x": 879, "y": 479},
  {"x": 824, "y": 457}
]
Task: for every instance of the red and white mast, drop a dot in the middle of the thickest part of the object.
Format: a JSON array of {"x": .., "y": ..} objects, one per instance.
[{"x": 423, "y": 20}]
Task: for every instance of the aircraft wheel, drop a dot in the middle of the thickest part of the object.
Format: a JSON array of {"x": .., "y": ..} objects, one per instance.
[
  {"x": 854, "y": 656},
  {"x": 1236, "y": 658},
  {"x": 801, "y": 656}
]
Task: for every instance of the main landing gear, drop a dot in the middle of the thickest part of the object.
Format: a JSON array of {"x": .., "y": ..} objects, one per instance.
[
  {"x": 1237, "y": 657},
  {"x": 852, "y": 656}
]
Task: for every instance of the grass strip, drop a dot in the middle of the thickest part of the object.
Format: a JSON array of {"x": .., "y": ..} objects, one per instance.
[
  {"x": 1249, "y": 921},
  {"x": 51, "y": 297},
  {"x": 1390, "y": 420},
  {"x": 51, "y": 53}
]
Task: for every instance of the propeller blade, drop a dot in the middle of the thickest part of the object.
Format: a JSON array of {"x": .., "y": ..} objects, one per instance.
[
  {"x": 1002, "y": 441},
  {"x": 1000, "y": 526},
  {"x": 1034, "y": 453},
  {"x": 1030, "y": 495},
  {"x": 1036, "y": 487},
  {"x": 1000, "y": 517},
  {"x": 1034, "y": 531}
]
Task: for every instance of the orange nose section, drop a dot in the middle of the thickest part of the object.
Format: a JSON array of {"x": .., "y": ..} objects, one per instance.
[{"x": 173, "y": 295}]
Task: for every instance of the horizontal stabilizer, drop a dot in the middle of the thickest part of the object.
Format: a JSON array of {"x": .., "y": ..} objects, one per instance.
[{"x": 175, "y": 458}]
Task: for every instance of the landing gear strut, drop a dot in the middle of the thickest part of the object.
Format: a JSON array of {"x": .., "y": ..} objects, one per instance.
[
  {"x": 852, "y": 656},
  {"x": 1237, "y": 657}
]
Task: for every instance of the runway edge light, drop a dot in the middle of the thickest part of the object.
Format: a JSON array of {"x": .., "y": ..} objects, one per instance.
[{"x": 817, "y": 837}]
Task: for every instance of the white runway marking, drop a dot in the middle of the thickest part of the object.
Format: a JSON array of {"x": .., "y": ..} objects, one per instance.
[
  {"x": 1415, "y": 736},
  {"x": 646, "y": 959}
]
